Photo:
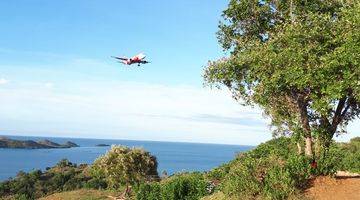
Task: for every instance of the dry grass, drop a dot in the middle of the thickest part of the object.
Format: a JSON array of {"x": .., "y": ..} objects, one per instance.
[
  {"x": 215, "y": 196},
  {"x": 83, "y": 194}
]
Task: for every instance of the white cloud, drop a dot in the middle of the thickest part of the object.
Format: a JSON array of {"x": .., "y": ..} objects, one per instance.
[
  {"x": 132, "y": 111},
  {"x": 49, "y": 85},
  {"x": 3, "y": 81},
  {"x": 91, "y": 99}
]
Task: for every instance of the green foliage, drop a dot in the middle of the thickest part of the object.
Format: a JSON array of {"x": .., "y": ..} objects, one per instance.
[
  {"x": 299, "y": 170},
  {"x": 149, "y": 191},
  {"x": 220, "y": 172},
  {"x": 297, "y": 60},
  {"x": 245, "y": 178},
  {"x": 272, "y": 170},
  {"x": 96, "y": 183},
  {"x": 351, "y": 162},
  {"x": 329, "y": 161},
  {"x": 247, "y": 21},
  {"x": 186, "y": 187},
  {"x": 22, "y": 197},
  {"x": 351, "y": 155},
  {"x": 278, "y": 183},
  {"x": 65, "y": 163},
  {"x": 282, "y": 147},
  {"x": 122, "y": 165},
  {"x": 179, "y": 187},
  {"x": 37, "y": 184}
]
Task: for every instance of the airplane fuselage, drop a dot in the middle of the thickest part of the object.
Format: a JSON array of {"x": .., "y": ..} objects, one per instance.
[
  {"x": 138, "y": 59},
  {"x": 134, "y": 61}
]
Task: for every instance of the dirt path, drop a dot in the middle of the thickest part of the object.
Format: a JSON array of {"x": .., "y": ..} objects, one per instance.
[{"x": 326, "y": 188}]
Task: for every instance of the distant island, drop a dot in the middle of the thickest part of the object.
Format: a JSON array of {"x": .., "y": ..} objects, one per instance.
[
  {"x": 102, "y": 145},
  {"x": 30, "y": 144}
]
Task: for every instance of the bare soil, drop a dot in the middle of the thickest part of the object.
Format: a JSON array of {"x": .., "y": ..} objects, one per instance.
[{"x": 327, "y": 188}]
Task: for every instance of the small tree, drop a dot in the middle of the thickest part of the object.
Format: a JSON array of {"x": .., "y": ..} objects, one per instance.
[
  {"x": 126, "y": 166},
  {"x": 297, "y": 60}
]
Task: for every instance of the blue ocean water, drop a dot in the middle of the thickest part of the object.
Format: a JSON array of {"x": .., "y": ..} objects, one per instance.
[{"x": 172, "y": 156}]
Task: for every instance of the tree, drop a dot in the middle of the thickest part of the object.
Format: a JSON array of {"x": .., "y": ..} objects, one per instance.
[
  {"x": 126, "y": 166},
  {"x": 297, "y": 60}
]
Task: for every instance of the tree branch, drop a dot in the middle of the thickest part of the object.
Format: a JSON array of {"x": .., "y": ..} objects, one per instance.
[{"x": 338, "y": 112}]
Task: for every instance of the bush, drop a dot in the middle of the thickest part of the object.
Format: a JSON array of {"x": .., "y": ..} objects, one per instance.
[
  {"x": 219, "y": 173},
  {"x": 299, "y": 170},
  {"x": 124, "y": 166},
  {"x": 64, "y": 163},
  {"x": 282, "y": 181},
  {"x": 96, "y": 183},
  {"x": 150, "y": 191},
  {"x": 330, "y": 161},
  {"x": 351, "y": 162},
  {"x": 187, "y": 187},
  {"x": 278, "y": 183},
  {"x": 351, "y": 155},
  {"x": 36, "y": 184},
  {"x": 179, "y": 187},
  {"x": 282, "y": 147},
  {"x": 273, "y": 170},
  {"x": 244, "y": 179},
  {"x": 4, "y": 188}
]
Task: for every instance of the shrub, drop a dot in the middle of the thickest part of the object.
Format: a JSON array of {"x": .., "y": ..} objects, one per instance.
[
  {"x": 273, "y": 170},
  {"x": 278, "y": 183},
  {"x": 186, "y": 186},
  {"x": 285, "y": 180},
  {"x": 351, "y": 155},
  {"x": 241, "y": 182},
  {"x": 299, "y": 170},
  {"x": 96, "y": 183},
  {"x": 351, "y": 162},
  {"x": 179, "y": 187},
  {"x": 23, "y": 197},
  {"x": 149, "y": 191},
  {"x": 220, "y": 172},
  {"x": 122, "y": 165},
  {"x": 329, "y": 161},
  {"x": 64, "y": 163},
  {"x": 36, "y": 184},
  {"x": 281, "y": 147}
]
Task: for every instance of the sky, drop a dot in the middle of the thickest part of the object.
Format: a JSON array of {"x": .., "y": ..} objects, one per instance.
[{"x": 57, "y": 77}]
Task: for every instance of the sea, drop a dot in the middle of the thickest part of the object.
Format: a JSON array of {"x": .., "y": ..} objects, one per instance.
[{"x": 172, "y": 157}]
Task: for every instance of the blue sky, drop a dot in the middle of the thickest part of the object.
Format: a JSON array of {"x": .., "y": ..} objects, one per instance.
[{"x": 57, "y": 77}]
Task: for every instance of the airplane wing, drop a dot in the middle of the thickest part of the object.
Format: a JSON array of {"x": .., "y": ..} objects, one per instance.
[
  {"x": 140, "y": 56},
  {"x": 119, "y": 58},
  {"x": 144, "y": 62}
]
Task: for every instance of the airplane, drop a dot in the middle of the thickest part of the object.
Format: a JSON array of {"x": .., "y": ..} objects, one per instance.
[{"x": 138, "y": 59}]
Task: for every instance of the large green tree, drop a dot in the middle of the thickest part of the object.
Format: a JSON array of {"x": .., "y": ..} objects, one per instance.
[{"x": 297, "y": 60}]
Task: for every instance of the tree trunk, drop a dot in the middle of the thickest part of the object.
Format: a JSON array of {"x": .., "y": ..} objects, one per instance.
[
  {"x": 302, "y": 105},
  {"x": 299, "y": 148},
  {"x": 308, "y": 146}
]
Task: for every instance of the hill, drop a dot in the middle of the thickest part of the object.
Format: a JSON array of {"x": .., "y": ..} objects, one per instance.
[{"x": 30, "y": 144}]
